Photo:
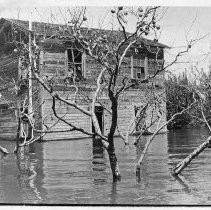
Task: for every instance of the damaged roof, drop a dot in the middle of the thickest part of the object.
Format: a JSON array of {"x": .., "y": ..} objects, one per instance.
[{"x": 49, "y": 29}]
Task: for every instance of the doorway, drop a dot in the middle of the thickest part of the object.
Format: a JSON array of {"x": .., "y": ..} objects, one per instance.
[{"x": 99, "y": 115}]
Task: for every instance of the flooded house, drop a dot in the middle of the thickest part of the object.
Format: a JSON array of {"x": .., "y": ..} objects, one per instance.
[{"x": 55, "y": 58}]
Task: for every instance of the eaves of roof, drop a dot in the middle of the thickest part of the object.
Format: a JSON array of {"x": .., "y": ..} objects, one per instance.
[{"x": 48, "y": 29}]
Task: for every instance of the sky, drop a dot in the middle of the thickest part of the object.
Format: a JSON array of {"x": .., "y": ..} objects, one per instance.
[{"x": 183, "y": 21}]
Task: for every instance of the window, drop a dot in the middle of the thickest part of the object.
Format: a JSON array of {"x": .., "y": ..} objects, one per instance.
[
  {"x": 99, "y": 114},
  {"x": 137, "y": 68},
  {"x": 160, "y": 66},
  {"x": 75, "y": 64},
  {"x": 140, "y": 74},
  {"x": 3, "y": 107},
  {"x": 22, "y": 69}
]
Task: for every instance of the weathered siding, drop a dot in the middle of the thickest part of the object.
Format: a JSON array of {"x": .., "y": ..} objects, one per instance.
[
  {"x": 54, "y": 65},
  {"x": 8, "y": 123},
  {"x": 126, "y": 112},
  {"x": 68, "y": 113},
  {"x": 8, "y": 74}
]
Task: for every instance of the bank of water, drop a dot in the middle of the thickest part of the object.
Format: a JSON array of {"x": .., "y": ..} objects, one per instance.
[{"x": 78, "y": 172}]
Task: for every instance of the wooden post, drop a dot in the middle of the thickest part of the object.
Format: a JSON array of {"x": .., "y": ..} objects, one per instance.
[
  {"x": 66, "y": 62},
  {"x": 146, "y": 67},
  {"x": 19, "y": 69},
  {"x": 84, "y": 65},
  {"x": 132, "y": 69},
  {"x": 30, "y": 105},
  {"x": 41, "y": 90},
  {"x": 176, "y": 170}
]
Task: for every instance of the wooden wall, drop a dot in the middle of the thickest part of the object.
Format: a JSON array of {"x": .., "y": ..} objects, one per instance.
[
  {"x": 8, "y": 123},
  {"x": 68, "y": 113},
  {"x": 11, "y": 98},
  {"x": 126, "y": 115},
  {"x": 8, "y": 74},
  {"x": 54, "y": 65},
  {"x": 126, "y": 112}
]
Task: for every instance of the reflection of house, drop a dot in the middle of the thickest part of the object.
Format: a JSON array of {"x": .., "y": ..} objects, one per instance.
[{"x": 55, "y": 65}]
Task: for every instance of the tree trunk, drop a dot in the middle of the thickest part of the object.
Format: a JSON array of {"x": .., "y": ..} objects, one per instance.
[
  {"x": 111, "y": 150},
  {"x": 30, "y": 132},
  {"x": 176, "y": 170},
  {"x": 113, "y": 163}
]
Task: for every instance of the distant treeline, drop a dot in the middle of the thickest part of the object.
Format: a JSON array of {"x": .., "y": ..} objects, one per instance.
[{"x": 179, "y": 95}]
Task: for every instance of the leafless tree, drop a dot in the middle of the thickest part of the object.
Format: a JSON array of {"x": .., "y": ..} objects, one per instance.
[{"x": 108, "y": 49}]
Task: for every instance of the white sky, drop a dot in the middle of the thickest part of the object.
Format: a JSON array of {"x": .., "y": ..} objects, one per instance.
[{"x": 178, "y": 20}]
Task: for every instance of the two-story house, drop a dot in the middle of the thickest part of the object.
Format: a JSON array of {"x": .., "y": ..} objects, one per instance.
[{"x": 55, "y": 60}]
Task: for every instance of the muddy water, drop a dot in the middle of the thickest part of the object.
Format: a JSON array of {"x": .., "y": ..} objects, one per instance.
[{"x": 78, "y": 172}]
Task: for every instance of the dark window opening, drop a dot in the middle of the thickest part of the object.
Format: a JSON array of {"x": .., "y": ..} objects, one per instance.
[
  {"x": 74, "y": 55},
  {"x": 140, "y": 73},
  {"x": 75, "y": 64},
  {"x": 160, "y": 67},
  {"x": 4, "y": 107},
  {"x": 99, "y": 115}
]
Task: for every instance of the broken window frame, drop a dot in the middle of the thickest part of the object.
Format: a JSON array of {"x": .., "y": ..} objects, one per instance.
[
  {"x": 72, "y": 73},
  {"x": 138, "y": 71}
]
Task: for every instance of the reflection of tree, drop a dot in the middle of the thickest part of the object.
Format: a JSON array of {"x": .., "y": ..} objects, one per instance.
[
  {"x": 99, "y": 162},
  {"x": 139, "y": 148},
  {"x": 183, "y": 184},
  {"x": 181, "y": 142},
  {"x": 27, "y": 175},
  {"x": 113, "y": 197}
]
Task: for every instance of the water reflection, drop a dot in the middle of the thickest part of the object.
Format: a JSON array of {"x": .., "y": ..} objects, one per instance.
[
  {"x": 183, "y": 184},
  {"x": 78, "y": 172},
  {"x": 27, "y": 175},
  {"x": 183, "y": 142},
  {"x": 113, "y": 195},
  {"x": 99, "y": 163}
]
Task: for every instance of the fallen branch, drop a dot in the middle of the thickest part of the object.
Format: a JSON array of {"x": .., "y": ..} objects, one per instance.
[
  {"x": 177, "y": 169},
  {"x": 157, "y": 131},
  {"x": 4, "y": 150}
]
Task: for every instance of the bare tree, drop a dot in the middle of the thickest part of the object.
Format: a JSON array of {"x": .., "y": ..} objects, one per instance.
[{"x": 108, "y": 49}]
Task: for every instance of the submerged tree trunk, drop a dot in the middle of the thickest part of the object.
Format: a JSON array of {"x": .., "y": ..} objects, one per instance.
[
  {"x": 19, "y": 133},
  {"x": 176, "y": 170},
  {"x": 113, "y": 162},
  {"x": 111, "y": 149}
]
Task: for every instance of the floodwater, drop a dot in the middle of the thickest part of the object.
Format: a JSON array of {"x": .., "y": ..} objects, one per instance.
[{"x": 78, "y": 172}]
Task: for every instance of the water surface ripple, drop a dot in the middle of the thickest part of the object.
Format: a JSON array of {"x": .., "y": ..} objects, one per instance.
[{"x": 78, "y": 172}]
